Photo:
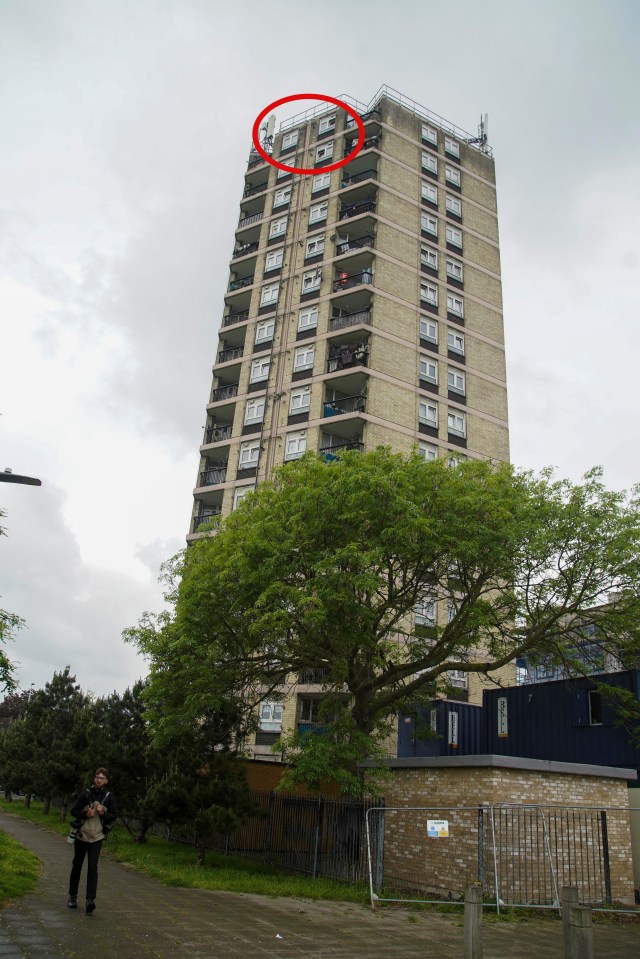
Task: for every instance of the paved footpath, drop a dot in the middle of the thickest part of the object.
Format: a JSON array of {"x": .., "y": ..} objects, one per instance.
[{"x": 138, "y": 918}]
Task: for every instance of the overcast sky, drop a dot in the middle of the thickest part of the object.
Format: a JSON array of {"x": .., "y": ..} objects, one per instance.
[{"x": 124, "y": 133}]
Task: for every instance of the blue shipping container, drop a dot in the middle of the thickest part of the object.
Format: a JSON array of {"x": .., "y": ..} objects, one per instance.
[{"x": 455, "y": 727}]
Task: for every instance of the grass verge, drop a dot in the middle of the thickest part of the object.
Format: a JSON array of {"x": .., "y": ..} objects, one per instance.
[
  {"x": 174, "y": 864},
  {"x": 20, "y": 869}
]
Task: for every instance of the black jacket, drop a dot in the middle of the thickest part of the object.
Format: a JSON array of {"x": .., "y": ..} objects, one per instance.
[{"x": 88, "y": 796}]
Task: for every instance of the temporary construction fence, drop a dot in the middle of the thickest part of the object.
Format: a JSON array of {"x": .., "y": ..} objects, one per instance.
[{"x": 520, "y": 855}]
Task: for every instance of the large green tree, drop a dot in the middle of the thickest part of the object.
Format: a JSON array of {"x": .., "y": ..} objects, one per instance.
[
  {"x": 9, "y": 624},
  {"x": 323, "y": 566}
]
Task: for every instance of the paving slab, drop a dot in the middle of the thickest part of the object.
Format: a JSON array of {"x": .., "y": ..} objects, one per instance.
[{"x": 139, "y": 918}]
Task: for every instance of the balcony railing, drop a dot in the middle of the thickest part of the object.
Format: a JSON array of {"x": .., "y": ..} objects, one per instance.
[
  {"x": 214, "y": 434},
  {"x": 254, "y": 159},
  {"x": 212, "y": 477},
  {"x": 224, "y": 393},
  {"x": 365, "y": 117},
  {"x": 331, "y": 452},
  {"x": 345, "y": 281},
  {"x": 358, "y": 178},
  {"x": 254, "y": 190},
  {"x": 241, "y": 283},
  {"x": 348, "y": 404},
  {"x": 250, "y": 219},
  {"x": 244, "y": 250},
  {"x": 233, "y": 353},
  {"x": 361, "y": 243},
  {"x": 367, "y": 145},
  {"x": 316, "y": 729},
  {"x": 355, "y": 209},
  {"x": 236, "y": 317},
  {"x": 350, "y": 319},
  {"x": 346, "y": 357},
  {"x": 205, "y": 517}
]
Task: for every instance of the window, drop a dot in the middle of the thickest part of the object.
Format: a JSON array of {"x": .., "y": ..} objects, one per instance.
[
  {"x": 315, "y": 246},
  {"x": 429, "y": 134},
  {"x": 324, "y": 152},
  {"x": 546, "y": 671},
  {"x": 240, "y": 494},
  {"x": 429, "y": 293},
  {"x": 429, "y": 224},
  {"x": 303, "y": 358},
  {"x": 249, "y": 454},
  {"x": 452, "y": 175},
  {"x": 282, "y": 197},
  {"x": 456, "y": 458},
  {"x": 296, "y": 445},
  {"x": 428, "y": 413},
  {"x": 454, "y": 236},
  {"x": 281, "y": 174},
  {"x": 595, "y": 707},
  {"x": 290, "y": 139},
  {"x": 300, "y": 400},
  {"x": 254, "y": 411},
  {"x": 454, "y": 269},
  {"x": 311, "y": 280},
  {"x": 455, "y": 304},
  {"x": 273, "y": 260},
  {"x": 426, "y": 611},
  {"x": 457, "y": 678},
  {"x": 269, "y": 294},
  {"x": 428, "y": 330},
  {"x": 429, "y": 257},
  {"x": 327, "y": 123},
  {"x": 321, "y": 182},
  {"x": 259, "y": 371},
  {"x": 427, "y": 452},
  {"x": 453, "y": 205},
  {"x": 452, "y": 147},
  {"x": 429, "y": 193},
  {"x": 318, "y": 212},
  {"x": 271, "y": 717},
  {"x": 278, "y": 227},
  {"x": 456, "y": 424},
  {"x": 264, "y": 331},
  {"x": 428, "y": 369},
  {"x": 455, "y": 342},
  {"x": 308, "y": 319},
  {"x": 429, "y": 163},
  {"x": 456, "y": 381}
]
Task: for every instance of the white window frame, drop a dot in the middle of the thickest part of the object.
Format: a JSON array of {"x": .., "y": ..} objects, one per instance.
[
  {"x": 315, "y": 246},
  {"x": 311, "y": 280},
  {"x": 455, "y": 269},
  {"x": 457, "y": 423},
  {"x": 428, "y": 413},
  {"x": 320, "y": 182},
  {"x": 273, "y": 259},
  {"x": 240, "y": 493},
  {"x": 428, "y": 293},
  {"x": 458, "y": 678},
  {"x": 324, "y": 151},
  {"x": 429, "y": 257},
  {"x": 259, "y": 370},
  {"x": 426, "y": 611},
  {"x": 308, "y": 319},
  {"x": 278, "y": 227},
  {"x": 455, "y": 459},
  {"x": 430, "y": 134},
  {"x": 254, "y": 410},
  {"x": 453, "y": 236},
  {"x": 455, "y": 304},
  {"x": 319, "y": 212},
  {"x": 303, "y": 358},
  {"x": 300, "y": 400},
  {"x": 429, "y": 224},
  {"x": 428, "y": 329},
  {"x": 456, "y": 381},
  {"x": 265, "y": 330},
  {"x": 453, "y": 204},
  {"x": 452, "y": 175},
  {"x": 327, "y": 123},
  {"x": 428, "y": 369},
  {"x": 269, "y": 294},
  {"x": 295, "y": 445},
  {"x": 455, "y": 341},
  {"x": 452, "y": 147},
  {"x": 428, "y": 191},
  {"x": 271, "y": 717},
  {"x": 290, "y": 139},
  {"x": 428, "y": 452},
  {"x": 282, "y": 197},
  {"x": 249, "y": 454},
  {"x": 281, "y": 174},
  {"x": 429, "y": 162}
]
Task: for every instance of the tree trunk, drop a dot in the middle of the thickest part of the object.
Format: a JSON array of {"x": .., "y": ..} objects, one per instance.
[
  {"x": 27, "y": 801},
  {"x": 63, "y": 809},
  {"x": 8, "y": 795},
  {"x": 47, "y": 805},
  {"x": 200, "y": 852}
]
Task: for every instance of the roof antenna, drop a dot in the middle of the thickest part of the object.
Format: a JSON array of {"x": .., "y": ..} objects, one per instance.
[{"x": 266, "y": 134}]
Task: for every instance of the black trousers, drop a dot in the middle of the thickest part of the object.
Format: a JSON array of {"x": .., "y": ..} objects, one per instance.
[{"x": 92, "y": 851}]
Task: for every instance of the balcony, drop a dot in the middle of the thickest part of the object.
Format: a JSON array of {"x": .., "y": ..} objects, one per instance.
[
  {"x": 224, "y": 393},
  {"x": 240, "y": 283},
  {"x": 207, "y": 516},
  {"x": 356, "y": 209},
  {"x": 370, "y": 143},
  {"x": 239, "y": 316},
  {"x": 245, "y": 249},
  {"x": 214, "y": 475},
  {"x": 311, "y": 729},
  {"x": 250, "y": 191},
  {"x": 345, "y": 320},
  {"x": 330, "y": 453},
  {"x": 358, "y": 243},
  {"x": 233, "y": 353},
  {"x": 358, "y": 178},
  {"x": 254, "y": 159},
  {"x": 372, "y": 116},
  {"x": 216, "y": 434},
  {"x": 346, "y": 356},
  {"x": 346, "y": 281},
  {"x": 248, "y": 220},
  {"x": 344, "y": 404}
]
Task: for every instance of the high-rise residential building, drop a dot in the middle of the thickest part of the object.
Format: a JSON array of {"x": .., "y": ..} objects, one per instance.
[{"x": 364, "y": 308}]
